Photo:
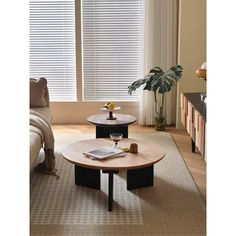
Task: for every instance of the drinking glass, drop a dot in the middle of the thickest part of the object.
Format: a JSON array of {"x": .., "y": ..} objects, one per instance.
[{"x": 116, "y": 137}]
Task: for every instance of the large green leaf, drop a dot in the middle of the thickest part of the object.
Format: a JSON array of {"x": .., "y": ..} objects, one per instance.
[
  {"x": 171, "y": 75},
  {"x": 158, "y": 80},
  {"x": 178, "y": 69},
  {"x": 170, "y": 81},
  {"x": 165, "y": 85},
  {"x": 136, "y": 84},
  {"x": 149, "y": 83},
  {"x": 156, "y": 83},
  {"x": 156, "y": 70},
  {"x": 162, "y": 88}
]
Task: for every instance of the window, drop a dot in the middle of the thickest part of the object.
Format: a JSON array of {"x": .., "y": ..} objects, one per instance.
[
  {"x": 52, "y": 46},
  {"x": 112, "y": 48}
]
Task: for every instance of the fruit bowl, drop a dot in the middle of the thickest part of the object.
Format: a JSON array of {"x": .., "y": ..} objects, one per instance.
[
  {"x": 114, "y": 108},
  {"x": 106, "y": 109}
]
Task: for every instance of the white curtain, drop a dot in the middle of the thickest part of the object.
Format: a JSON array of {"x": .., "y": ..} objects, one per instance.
[{"x": 160, "y": 49}]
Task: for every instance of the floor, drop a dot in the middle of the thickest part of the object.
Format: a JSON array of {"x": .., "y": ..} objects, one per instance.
[{"x": 194, "y": 161}]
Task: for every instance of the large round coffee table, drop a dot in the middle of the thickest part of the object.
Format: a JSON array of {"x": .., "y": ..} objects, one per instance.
[
  {"x": 139, "y": 166},
  {"x": 104, "y": 126}
]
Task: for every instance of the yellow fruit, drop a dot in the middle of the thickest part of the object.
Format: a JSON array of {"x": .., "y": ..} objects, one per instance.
[
  {"x": 111, "y": 106},
  {"x": 125, "y": 149}
]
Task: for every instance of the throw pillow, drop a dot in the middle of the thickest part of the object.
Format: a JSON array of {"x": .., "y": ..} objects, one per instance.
[{"x": 38, "y": 92}]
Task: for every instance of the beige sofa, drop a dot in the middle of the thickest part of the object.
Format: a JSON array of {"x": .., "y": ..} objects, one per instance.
[{"x": 39, "y": 102}]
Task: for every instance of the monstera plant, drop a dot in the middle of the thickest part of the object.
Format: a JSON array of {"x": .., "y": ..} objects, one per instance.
[{"x": 159, "y": 81}]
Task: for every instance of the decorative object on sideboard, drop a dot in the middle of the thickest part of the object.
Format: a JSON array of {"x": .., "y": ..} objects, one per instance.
[
  {"x": 162, "y": 82},
  {"x": 202, "y": 74}
]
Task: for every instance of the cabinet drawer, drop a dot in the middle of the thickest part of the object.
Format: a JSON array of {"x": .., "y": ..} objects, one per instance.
[
  {"x": 190, "y": 120},
  {"x": 200, "y": 133},
  {"x": 202, "y": 137},
  {"x": 183, "y": 118}
]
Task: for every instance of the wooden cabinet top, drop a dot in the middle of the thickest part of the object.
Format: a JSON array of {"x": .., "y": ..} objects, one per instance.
[{"x": 197, "y": 102}]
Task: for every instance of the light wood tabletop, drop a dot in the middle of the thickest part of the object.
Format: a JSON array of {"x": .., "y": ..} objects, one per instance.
[
  {"x": 101, "y": 120},
  {"x": 147, "y": 155}
]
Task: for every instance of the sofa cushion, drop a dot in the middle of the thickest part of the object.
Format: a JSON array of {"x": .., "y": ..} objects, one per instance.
[{"x": 38, "y": 92}]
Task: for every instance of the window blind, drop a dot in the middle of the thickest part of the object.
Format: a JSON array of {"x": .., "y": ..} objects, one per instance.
[
  {"x": 112, "y": 48},
  {"x": 52, "y": 46}
]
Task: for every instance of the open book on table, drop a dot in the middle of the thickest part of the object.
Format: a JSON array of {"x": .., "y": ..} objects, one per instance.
[{"x": 104, "y": 152}]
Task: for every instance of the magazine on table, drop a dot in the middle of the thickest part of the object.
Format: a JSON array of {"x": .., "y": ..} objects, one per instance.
[{"x": 104, "y": 152}]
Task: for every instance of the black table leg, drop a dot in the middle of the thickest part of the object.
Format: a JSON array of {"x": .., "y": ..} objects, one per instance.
[
  {"x": 193, "y": 145},
  {"x": 87, "y": 177},
  {"x": 110, "y": 191},
  {"x": 110, "y": 187},
  {"x": 139, "y": 178},
  {"x": 105, "y": 131}
]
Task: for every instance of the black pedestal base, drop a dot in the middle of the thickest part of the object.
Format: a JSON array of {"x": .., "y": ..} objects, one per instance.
[
  {"x": 140, "y": 178},
  {"x": 104, "y": 132},
  {"x": 87, "y": 177},
  {"x": 111, "y": 117}
]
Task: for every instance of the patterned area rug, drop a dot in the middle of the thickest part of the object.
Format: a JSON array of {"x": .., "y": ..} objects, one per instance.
[
  {"x": 173, "y": 206},
  {"x": 66, "y": 203}
]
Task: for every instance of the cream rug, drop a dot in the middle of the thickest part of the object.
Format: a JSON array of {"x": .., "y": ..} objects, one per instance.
[{"x": 173, "y": 206}]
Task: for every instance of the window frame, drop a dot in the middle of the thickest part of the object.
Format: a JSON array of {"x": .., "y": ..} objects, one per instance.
[
  {"x": 79, "y": 58},
  {"x": 52, "y": 58}
]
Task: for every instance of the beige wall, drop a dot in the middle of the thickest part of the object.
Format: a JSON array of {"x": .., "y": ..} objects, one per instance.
[
  {"x": 191, "y": 47},
  {"x": 77, "y": 112}
]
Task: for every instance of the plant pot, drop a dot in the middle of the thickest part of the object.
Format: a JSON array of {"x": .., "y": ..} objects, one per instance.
[{"x": 160, "y": 123}]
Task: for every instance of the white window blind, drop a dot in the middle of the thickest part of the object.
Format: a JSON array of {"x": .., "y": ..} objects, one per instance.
[
  {"x": 52, "y": 46},
  {"x": 112, "y": 48}
]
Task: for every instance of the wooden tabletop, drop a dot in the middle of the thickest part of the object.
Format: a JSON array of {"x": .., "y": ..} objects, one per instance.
[
  {"x": 147, "y": 155},
  {"x": 121, "y": 119}
]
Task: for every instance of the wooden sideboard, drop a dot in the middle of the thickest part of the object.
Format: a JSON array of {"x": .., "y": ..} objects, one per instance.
[{"x": 193, "y": 118}]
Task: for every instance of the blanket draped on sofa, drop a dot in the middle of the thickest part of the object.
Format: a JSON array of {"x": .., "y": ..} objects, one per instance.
[{"x": 39, "y": 124}]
